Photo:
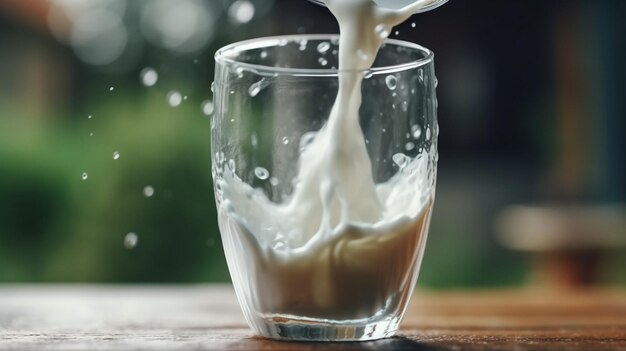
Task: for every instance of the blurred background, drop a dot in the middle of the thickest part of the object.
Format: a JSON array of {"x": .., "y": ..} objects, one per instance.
[{"x": 105, "y": 151}]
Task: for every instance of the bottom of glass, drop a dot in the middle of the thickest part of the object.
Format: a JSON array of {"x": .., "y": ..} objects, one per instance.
[{"x": 290, "y": 328}]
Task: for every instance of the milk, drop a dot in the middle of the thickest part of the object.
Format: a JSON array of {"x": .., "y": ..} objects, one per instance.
[{"x": 341, "y": 247}]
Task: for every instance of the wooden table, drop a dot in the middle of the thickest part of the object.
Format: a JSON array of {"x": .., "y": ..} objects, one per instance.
[{"x": 207, "y": 317}]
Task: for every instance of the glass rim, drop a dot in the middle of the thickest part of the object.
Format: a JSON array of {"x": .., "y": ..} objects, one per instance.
[{"x": 224, "y": 56}]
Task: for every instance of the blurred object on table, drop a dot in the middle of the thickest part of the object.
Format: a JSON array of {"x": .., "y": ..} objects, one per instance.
[{"x": 567, "y": 243}]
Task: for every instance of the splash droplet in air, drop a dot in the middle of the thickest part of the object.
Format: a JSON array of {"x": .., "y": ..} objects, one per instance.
[
  {"x": 84, "y": 176},
  {"x": 174, "y": 98},
  {"x": 111, "y": 88},
  {"x": 130, "y": 240},
  {"x": 148, "y": 191},
  {"x": 148, "y": 76},
  {"x": 261, "y": 173},
  {"x": 207, "y": 107},
  {"x": 116, "y": 155},
  {"x": 241, "y": 11}
]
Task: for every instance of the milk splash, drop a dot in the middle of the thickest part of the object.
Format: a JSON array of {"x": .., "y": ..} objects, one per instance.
[{"x": 341, "y": 247}]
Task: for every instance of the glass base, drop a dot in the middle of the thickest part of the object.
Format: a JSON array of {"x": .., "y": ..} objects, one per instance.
[{"x": 288, "y": 328}]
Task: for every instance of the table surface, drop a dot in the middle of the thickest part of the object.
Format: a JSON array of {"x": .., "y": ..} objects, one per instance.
[{"x": 207, "y": 317}]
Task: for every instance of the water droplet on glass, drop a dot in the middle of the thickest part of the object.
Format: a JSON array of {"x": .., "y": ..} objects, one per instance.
[
  {"x": 130, "y": 240},
  {"x": 285, "y": 140},
  {"x": 241, "y": 11},
  {"x": 416, "y": 131},
  {"x": 405, "y": 106},
  {"x": 323, "y": 47},
  {"x": 253, "y": 140},
  {"x": 84, "y": 176},
  {"x": 116, "y": 155},
  {"x": 148, "y": 76},
  {"x": 322, "y": 61},
  {"x": 239, "y": 72},
  {"x": 382, "y": 31},
  {"x": 391, "y": 81},
  {"x": 174, "y": 98},
  {"x": 261, "y": 173},
  {"x": 409, "y": 146},
  {"x": 148, "y": 191},
  {"x": 207, "y": 107},
  {"x": 400, "y": 159}
]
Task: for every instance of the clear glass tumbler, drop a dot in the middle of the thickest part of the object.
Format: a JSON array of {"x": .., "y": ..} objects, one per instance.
[{"x": 351, "y": 280}]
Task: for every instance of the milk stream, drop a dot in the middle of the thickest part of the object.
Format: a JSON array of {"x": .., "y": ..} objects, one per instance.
[{"x": 341, "y": 247}]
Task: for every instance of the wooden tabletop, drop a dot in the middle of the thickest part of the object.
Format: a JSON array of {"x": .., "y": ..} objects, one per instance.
[{"x": 207, "y": 317}]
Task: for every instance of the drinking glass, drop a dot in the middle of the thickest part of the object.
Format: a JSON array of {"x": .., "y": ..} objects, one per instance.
[{"x": 271, "y": 95}]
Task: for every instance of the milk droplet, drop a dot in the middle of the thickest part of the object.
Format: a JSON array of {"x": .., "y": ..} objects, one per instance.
[
  {"x": 391, "y": 82},
  {"x": 148, "y": 76},
  {"x": 303, "y": 43},
  {"x": 241, "y": 11},
  {"x": 84, "y": 176},
  {"x": 322, "y": 61},
  {"x": 255, "y": 88},
  {"x": 116, "y": 155},
  {"x": 409, "y": 146},
  {"x": 148, "y": 191},
  {"x": 130, "y": 240},
  {"x": 306, "y": 140},
  {"x": 285, "y": 140},
  {"x": 416, "y": 131},
  {"x": 362, "y": 55},
  {"x": 207, "y": 107},
  {"x": 174, "y": 98},
  {"x": 382, "y": 30},
  {"x": 261, "y": 173},
  {"x": 400, "y": 159},
  {"x": 323, "y": 47}
]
